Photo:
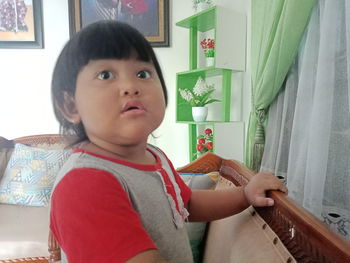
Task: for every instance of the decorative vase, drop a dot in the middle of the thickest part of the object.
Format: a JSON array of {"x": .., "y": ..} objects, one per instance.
[
  {"x": 199, "y": 113},
  {"x": 209, "y": 61},
  {"x": 202, "y": 6}
]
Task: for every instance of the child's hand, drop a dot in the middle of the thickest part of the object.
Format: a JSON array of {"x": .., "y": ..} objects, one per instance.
[{"x": 255, "y": 191}]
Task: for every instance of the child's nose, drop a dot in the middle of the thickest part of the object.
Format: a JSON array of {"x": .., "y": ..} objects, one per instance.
[
  {"x": 127, "y": 92},
  {"x": 130, "y": 88}
]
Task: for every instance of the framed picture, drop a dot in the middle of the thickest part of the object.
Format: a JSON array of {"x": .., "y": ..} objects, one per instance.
[
  {"x": 150, "y": 17},
  {"x": 21, "y": 24}
]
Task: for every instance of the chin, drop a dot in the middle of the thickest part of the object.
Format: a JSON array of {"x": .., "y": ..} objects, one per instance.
[{"x": 135, "y": 140}]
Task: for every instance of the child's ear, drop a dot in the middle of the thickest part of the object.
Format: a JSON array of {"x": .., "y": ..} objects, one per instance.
[{"x": 69, "y": 109}]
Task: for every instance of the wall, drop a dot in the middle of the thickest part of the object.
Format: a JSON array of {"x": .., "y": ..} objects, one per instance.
[
  {"x": 25, "y": 74},
  {"x": 25, "y": 107}
]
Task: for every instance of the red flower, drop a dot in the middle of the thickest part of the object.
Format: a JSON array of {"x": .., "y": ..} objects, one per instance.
[
  {"x": 204, "y": 44},
  {"x": 210, "y": 43},
  {"x": 209, "y": 145},
  {"x": 200, "y": 147},
  {"x": 201, "y": 141},
  {"x": 205, "y": 142},
  {"x": 208, "y": 131},
  {"x": 207, "y": 43}
]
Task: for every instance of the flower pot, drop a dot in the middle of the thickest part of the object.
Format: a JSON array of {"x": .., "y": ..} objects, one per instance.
[
  {"x": 209, "y": 61},
  {"x": 202, "y": 6},
  {"x": 199, "y": 113}
]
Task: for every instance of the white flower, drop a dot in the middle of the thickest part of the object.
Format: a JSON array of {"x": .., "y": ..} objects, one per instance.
[
  {"x": 196, "y": 2},
  {"x": 201, "y": 87},
  {"x": 186, "y": 95}
]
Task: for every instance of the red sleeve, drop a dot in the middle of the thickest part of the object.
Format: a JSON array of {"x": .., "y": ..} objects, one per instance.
[{"x": 93, "y": 219}]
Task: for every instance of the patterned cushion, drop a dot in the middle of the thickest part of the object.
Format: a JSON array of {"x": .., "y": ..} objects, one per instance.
[{"x": 30, "y": 174}]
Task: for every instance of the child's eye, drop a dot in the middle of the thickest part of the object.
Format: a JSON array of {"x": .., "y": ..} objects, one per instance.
[
  {"x": 143, "y": 74},
  {"x": 105, "y": 74}
]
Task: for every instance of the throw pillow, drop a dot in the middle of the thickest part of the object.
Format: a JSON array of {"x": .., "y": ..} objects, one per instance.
[
  {"x": 196, "y": 230},
  {"x": 30, "y": 174}
]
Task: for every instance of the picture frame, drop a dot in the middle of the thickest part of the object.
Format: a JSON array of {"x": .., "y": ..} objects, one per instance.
[
  {"x": 150, "y": 17},
  {"x": 27, "y": 30}
]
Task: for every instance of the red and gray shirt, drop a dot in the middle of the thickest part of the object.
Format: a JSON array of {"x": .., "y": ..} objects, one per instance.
[{"x": 108, "y": 210}]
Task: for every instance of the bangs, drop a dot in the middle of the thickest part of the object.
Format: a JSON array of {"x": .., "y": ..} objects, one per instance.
[{"x": 104, "y": 42}]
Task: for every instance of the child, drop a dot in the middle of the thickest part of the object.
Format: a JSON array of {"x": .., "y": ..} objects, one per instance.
[{"x": 117, "y": 198}]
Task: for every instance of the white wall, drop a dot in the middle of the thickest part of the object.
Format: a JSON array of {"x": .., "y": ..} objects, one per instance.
[{"x": 25, "y": 103}]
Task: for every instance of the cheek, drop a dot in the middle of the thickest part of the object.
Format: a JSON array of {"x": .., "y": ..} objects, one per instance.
[
  {"x": 161, "y": 103},
  {"x": 157, "y": 106}
]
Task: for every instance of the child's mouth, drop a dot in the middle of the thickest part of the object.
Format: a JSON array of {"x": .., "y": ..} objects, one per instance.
[{"x": 133, "y": 107}]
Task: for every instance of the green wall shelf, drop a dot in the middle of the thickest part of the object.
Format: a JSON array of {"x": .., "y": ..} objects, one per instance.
[
  {"x": 229, "y": 33},
  {"x": 224, "y": 145},
  {"x": 187, "y": 80},
  {"x": 229, "y": 29}
]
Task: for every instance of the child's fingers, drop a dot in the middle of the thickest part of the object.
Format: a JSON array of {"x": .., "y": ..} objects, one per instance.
[
  {"x": 273, "y": 183},
  {"x": 278, "y": 186},
  {"x": 263, "y": 201},
  {"x": 283, "y": 189}
]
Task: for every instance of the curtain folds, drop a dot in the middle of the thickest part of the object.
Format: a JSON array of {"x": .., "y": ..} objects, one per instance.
[
  {"x": 277, "y": 28},
  {"x": 308, "y": 131}
]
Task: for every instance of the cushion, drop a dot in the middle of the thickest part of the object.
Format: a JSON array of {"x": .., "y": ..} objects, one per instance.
[
  {"x": 244, "y": 237},
  {"x": 24, "y": 231},
  {"x": 30, "y": 174},
  {"x": 196, "y": 230}
]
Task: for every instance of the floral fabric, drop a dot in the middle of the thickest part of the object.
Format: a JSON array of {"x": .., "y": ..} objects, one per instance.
[{"x": 12, "y": 15}]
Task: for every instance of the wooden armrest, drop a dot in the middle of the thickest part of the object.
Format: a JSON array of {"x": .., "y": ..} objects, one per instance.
[
  {"x": 208, "y": 162},
  {"x": 45, "y": 139},
  {"x": 54, "y": 249},
  {"x": 28, "y": 260},
  {"x": 310, "y": 239}
]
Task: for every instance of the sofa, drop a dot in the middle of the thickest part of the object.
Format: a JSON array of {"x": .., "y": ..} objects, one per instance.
[{"x": 283, "y": 233}]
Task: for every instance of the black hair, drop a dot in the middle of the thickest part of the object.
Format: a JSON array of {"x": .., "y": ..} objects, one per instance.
[{"x": 101, "y": 40}]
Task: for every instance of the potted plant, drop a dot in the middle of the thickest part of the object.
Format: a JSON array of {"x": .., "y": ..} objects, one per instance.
[
  {"x": 198, "y": 98},
  {"x": 200, "y": 5},
  {"x": 205, "y": 142},
  {"x": 208, "y": 46}
]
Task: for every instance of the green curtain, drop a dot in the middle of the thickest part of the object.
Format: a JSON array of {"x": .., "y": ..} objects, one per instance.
[{"x": 277, "y": 29}]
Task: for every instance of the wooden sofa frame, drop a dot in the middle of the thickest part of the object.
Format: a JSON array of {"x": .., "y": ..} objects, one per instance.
[{"x": 305, "y": 236}]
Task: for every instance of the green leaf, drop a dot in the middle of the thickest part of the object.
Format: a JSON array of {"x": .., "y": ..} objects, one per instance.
[
  {"x": 211, "y": 101},
  {"x": 205, "y": 98}
]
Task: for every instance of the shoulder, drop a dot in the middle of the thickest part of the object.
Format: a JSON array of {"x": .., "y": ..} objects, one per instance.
[{"x": 83, "y": 180}]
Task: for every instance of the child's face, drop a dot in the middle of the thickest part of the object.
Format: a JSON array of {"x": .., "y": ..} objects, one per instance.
[{"x": 119, "y": 101}]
